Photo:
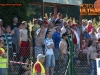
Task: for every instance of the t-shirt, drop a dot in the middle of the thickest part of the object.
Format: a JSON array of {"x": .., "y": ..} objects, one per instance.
[
  {"x": 48, "y": 42},
  {"x": 89, "y": 27}
]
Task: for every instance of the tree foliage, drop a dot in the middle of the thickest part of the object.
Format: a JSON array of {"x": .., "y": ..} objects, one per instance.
[{"x": 7, "y": 13}]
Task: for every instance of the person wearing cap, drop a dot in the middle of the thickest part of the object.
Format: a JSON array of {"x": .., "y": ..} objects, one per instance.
[
  {"x": 1, "y": 28},
  {"x": 89, "y": 26},
  {"x": 76, "y": 40},
  {"x": 83, "y": 24},
  {"x": 38, "y": 68}
]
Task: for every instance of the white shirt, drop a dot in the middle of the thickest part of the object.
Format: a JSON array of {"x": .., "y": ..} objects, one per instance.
[
  {"x": 23, "y": 34},
  {"x": 98, "y": 35},
  {"x": 63, "y": 30},
  {"x": 48, "y": 42}
]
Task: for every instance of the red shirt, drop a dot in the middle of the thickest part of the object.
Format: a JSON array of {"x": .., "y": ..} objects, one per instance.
[
  {"x": 37, "y": 68},
  {"x": 0, "y": 52},
  {"x": 89, "y": 27}
]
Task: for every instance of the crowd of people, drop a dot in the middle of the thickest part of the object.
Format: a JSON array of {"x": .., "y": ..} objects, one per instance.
[{"x": 50, "y": 37}]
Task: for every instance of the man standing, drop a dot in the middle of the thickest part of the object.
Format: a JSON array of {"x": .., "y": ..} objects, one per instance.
[
  {"x": 56, "y": 39},
  {"x": 38, "y": 68},
  {"x": 89, "y": 26},
  {"x": 63, "y": 51},
  {"x": 91, "y": 56}
]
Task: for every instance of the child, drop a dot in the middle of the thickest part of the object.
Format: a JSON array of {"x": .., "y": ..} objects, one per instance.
[
  {"x": 84, "y": 47},
  {"x": 3, "y": 59}
]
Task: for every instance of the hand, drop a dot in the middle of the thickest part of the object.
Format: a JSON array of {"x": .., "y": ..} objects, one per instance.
[
  {"x": 4, "y": 55},
  {"x": 12, "y": 32}
]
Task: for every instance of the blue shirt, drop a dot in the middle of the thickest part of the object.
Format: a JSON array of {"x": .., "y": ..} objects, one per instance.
[
  {"x": 56, "y": 38},
  {"x": 86, "y": 35}
]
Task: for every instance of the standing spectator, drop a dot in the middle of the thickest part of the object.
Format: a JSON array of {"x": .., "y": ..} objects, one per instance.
[
  {"x": 38, "y": 68},
  {"x": 50, "y": 58},
  {"x": 40, "y": 39},
  {"x": 83, "y": 24},
  {"x": 56, "y": 39},
  {"x": 3, "y": 59},
  {"x": 33, "y": 34},
  {"x": 15, "y": 36},
  {"x": 24, "y": 50},
  {"x": 1, "y": 28},
  {"x": 8, "y": 42},
  {"x": 59, "y": 17},
  {"x": 89, "y": 26},
  {"x": 91, "y": 56},
  {"x": 98, "y": 33},
  {"x": 92, "y": 34},
  {"x": 51, "y": 19},
  {"x": 64, "y": 52},
  {"x": 76, "y": 40}
]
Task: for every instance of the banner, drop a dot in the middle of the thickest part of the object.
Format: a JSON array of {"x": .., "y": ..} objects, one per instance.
[
  {"x": 98, "y": 65},
  {"x": 70, "y": 2}
]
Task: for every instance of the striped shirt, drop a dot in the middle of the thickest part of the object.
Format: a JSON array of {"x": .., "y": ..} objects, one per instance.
[{"x": 8, "y": 37}]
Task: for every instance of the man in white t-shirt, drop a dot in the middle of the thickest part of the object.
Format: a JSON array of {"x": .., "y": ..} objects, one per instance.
[{"x": 50, "y": 58}]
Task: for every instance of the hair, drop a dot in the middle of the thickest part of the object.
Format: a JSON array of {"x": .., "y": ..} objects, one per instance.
[
  {"x": 1, "y": 40},
  {"x": 7, "y": 26},
  {"x": 64, "y": 34},
  {"x": 59, "y": 14},
  {"x": 51, "y": 14},
  {"x": 47, "y": 33}
]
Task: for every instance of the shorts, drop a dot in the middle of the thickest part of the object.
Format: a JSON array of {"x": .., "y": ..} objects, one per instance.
[
  {"x": 38, "y": 50},
  {"x": 50, "y": 60},
  {"x": 57, "y": 54},
  {"x": 3, "y": 71}
]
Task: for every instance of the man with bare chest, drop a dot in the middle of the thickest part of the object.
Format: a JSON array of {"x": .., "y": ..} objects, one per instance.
[
  {"x": 63, "y": 51},
  {"x": 91, "y": 56}
]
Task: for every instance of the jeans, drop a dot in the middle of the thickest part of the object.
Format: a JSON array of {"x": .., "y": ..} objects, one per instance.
[
  {"x": 3, "y": 71},
  {"x": 92, "y": 67},
  {"x": 50, "y": 60}
]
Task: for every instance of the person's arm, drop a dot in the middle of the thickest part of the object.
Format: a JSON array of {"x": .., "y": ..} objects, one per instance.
[
  {"x": 61, "y": 46},
  {"x": 88, "y": 55}
]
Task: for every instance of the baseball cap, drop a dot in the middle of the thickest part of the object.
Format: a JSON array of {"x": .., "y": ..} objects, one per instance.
[
  {"x": 40, "y": 19},
  {"x": 40, "y": 56},
  {"x": 90, "y": 21}
]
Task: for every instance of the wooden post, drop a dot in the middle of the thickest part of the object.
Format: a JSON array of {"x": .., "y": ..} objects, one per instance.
[
  {"x": 42, "y": 9},
  {"x": 55, "y": 12}
]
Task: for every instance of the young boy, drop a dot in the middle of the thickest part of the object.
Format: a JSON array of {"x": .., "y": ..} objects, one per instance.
[{"x": 3, "y": 59}]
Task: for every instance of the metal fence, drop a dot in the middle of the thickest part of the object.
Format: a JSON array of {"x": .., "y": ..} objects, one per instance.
[{"x": 16, "y": 66}]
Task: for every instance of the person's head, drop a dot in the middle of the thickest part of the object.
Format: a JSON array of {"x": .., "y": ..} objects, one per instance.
[
  {"x": 52, "y": 15},
  {"x": 35, "y": 21},
  {"x": 8, "y": 29},
  {"x": 1, "y": 42},
  {"x": 83, "y": 41},
  {"x": 24, "y": 24},
  {"x": 59, "y": 15},
  {"x": 58, "y": 28},
  {"x": 93, "y": 30},
  {"x": 69, "y": 22},
  {"x": 41, "y": 58},
  {"x": 94, "y": 43},
  {"x": 19, "y": 25},
  {"x": 0, "y": 22},
  {"x": 64, "y": 24},
  {"x": 15, "y": 20},
  {"x": 89, "y": 22},
  {"x": 84, "y": 22},
  {"x": 98, "y": 30},
  {"x": 42, "y": 25},
  {"x": 64, "y": 36},
  {"x": 49, "y": 34},
  {"x": 73, "y": 26}
]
